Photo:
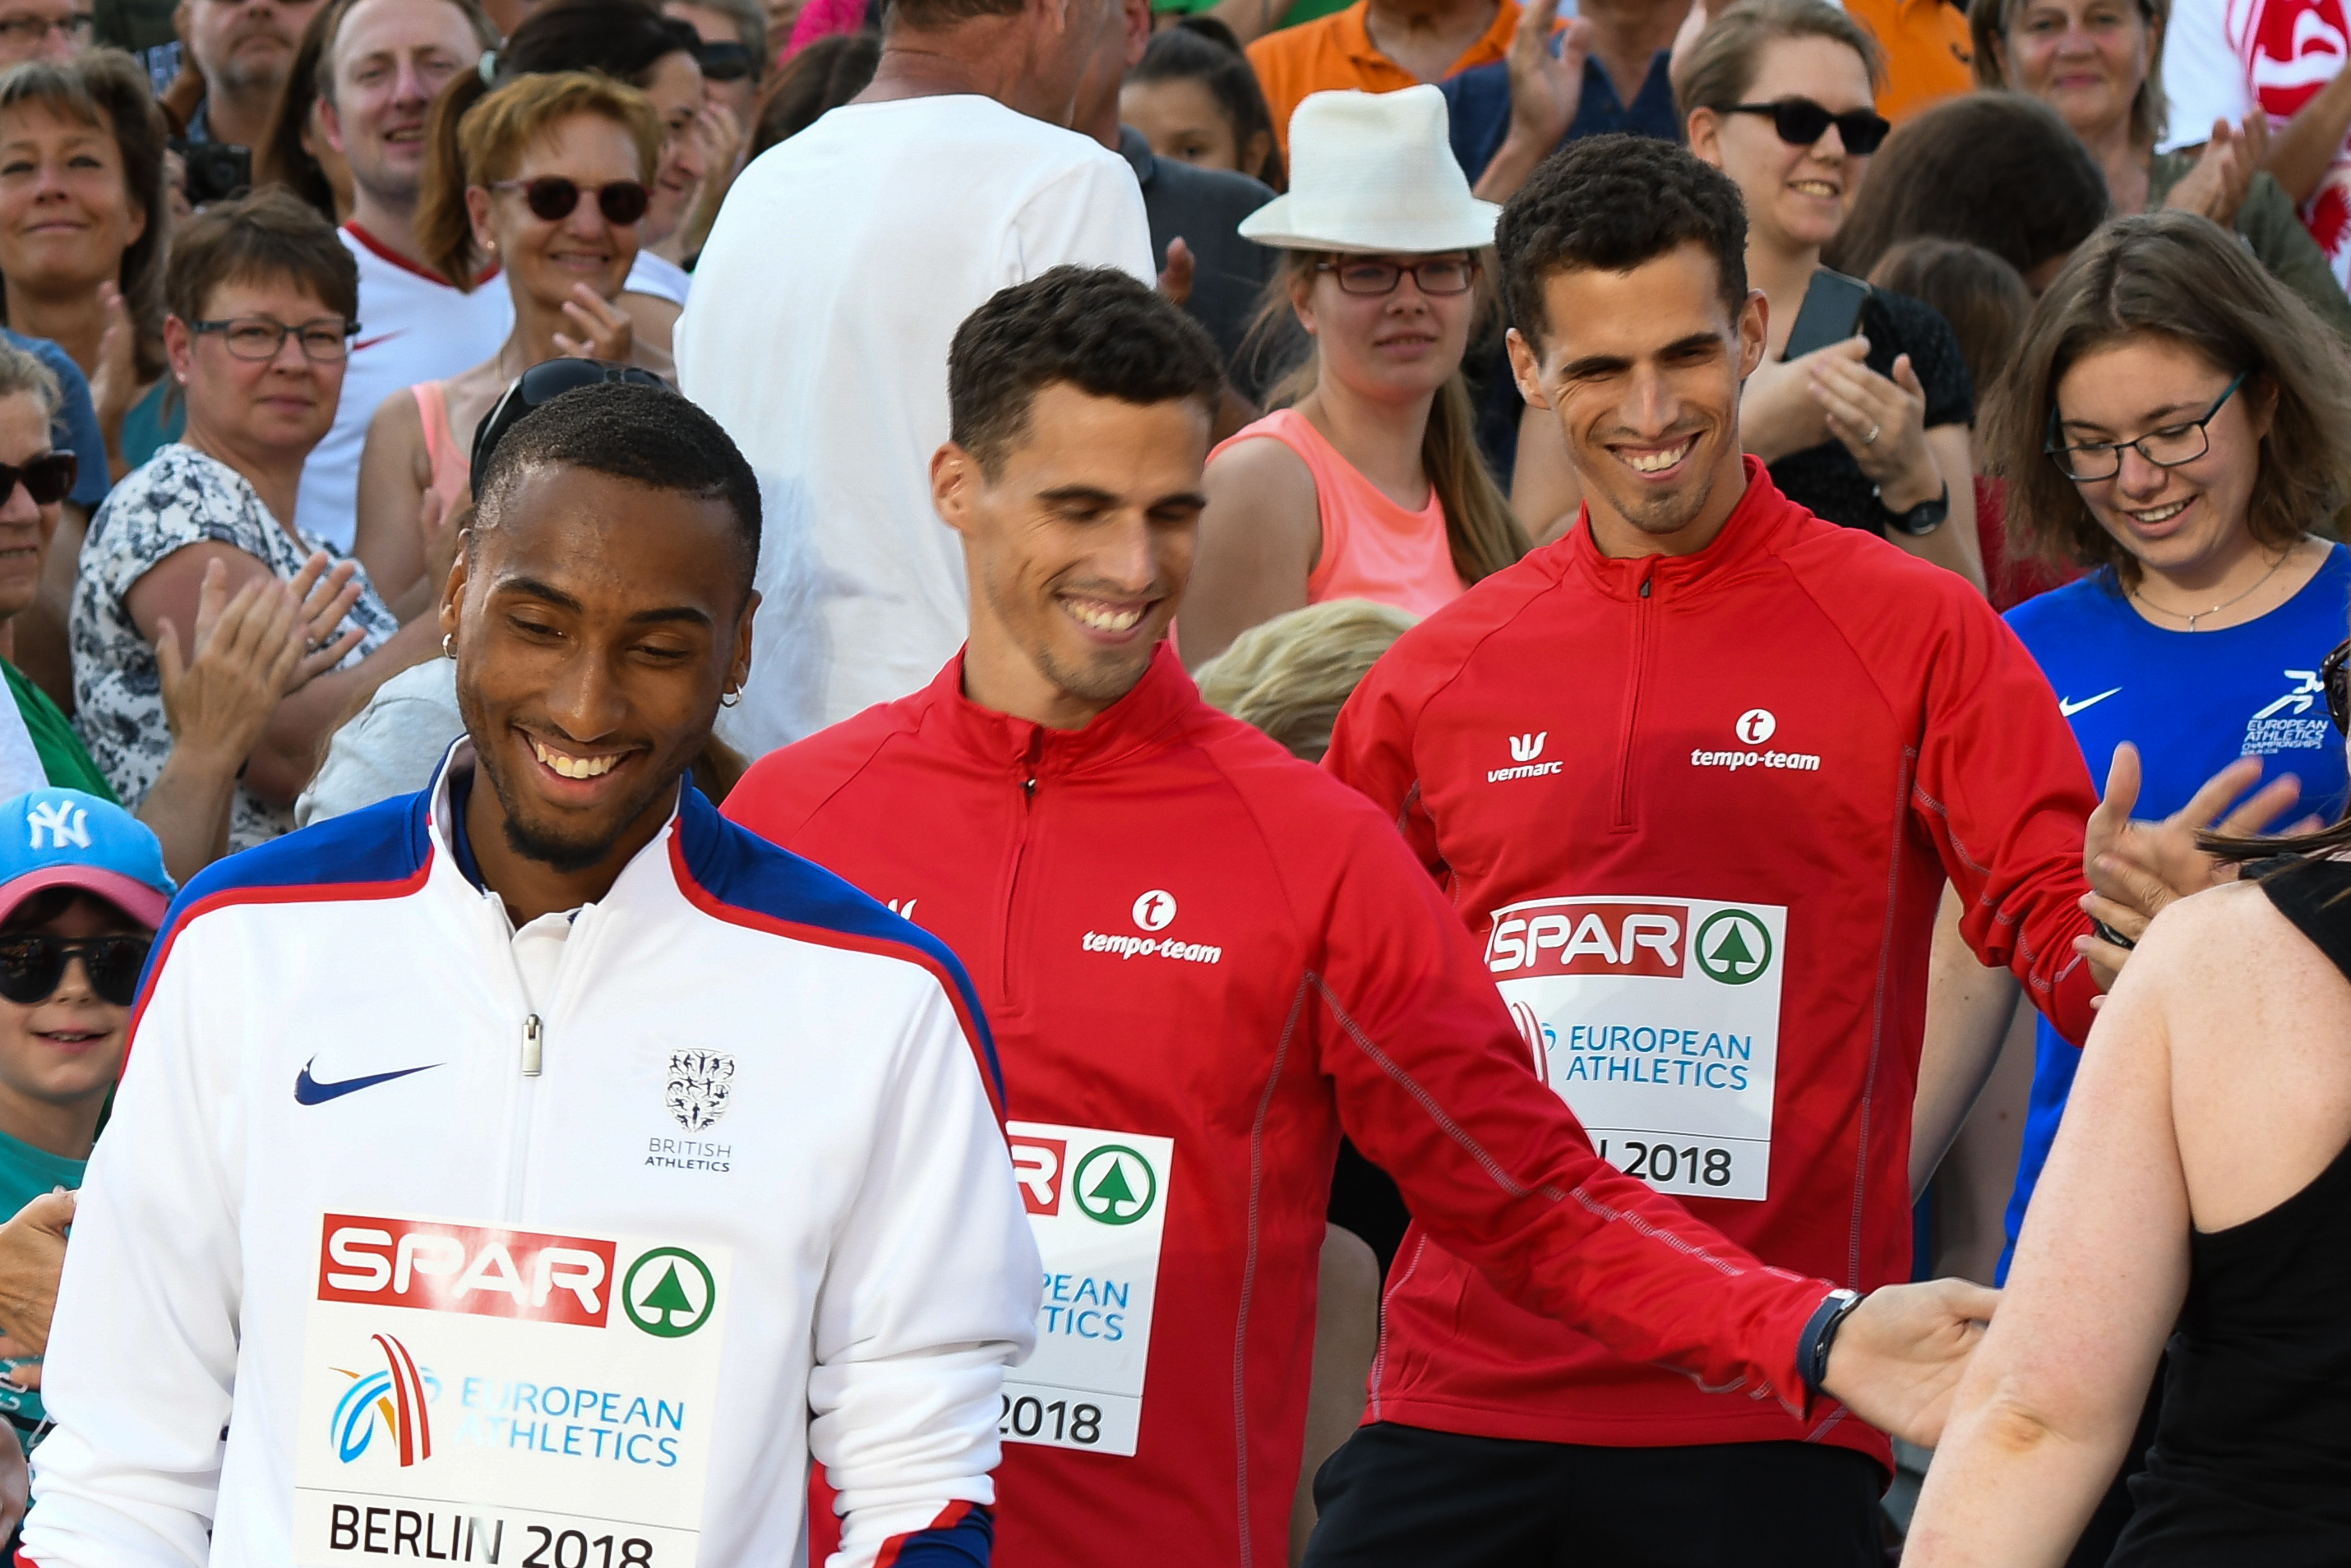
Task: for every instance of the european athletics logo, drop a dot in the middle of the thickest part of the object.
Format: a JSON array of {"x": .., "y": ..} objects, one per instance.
[{"x": 399, "y": 1395}]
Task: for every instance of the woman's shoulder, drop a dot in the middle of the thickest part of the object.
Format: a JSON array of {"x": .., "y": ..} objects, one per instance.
[
  {"x": 1283, "y": 443},
  {"x": 176, "y": 497}
]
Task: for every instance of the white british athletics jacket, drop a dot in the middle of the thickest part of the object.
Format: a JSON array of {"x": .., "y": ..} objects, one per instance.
[{"x": 330, "y": 1183}]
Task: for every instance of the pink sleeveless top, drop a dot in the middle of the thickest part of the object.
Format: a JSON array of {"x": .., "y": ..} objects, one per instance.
[
  {"x": 1371, "y": 548},
  {"x": 453, "y": 466}
]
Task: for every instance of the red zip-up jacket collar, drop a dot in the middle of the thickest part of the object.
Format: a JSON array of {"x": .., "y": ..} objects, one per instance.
[
  {"x": 1181, "y": 933},
  {"x": 1762, "y": 519}
]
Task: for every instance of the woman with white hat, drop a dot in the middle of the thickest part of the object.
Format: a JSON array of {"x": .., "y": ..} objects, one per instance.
[{"x": 1369, "y": 484}]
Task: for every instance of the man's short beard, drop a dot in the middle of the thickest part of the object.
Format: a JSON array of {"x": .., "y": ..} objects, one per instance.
[{"x": 566, "y": 856}]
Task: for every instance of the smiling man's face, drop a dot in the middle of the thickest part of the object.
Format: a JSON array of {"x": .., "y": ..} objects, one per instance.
[
  {"x": 1643, "y": 369},
  {"x": 598, "y": 621}
]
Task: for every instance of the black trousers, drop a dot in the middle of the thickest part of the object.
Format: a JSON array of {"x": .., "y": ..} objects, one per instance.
[{"x": 1403, "y": 1497}]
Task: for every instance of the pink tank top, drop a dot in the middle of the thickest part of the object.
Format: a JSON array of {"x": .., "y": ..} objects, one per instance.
[
  {"x": 453, "y": 466},
  {"x": 1371, "y": 548}
]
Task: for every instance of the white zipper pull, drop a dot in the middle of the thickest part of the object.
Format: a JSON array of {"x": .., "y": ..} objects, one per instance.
[{"x": 530, "y": 1046}]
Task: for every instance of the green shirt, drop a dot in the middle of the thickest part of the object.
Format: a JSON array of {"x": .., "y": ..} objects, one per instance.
[
  {"x": 63, "y": 757},
  {"x": 25, "y": 1173},
  {"x": 2273, "y": 230}
]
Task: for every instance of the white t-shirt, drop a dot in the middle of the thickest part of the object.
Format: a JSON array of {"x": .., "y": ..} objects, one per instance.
[
  {"x": 412, "y": 328},
  {"x": 839, "y": 268},
  {"x": 2224, "y": 58},
  {"x": 659, "y": 276}
]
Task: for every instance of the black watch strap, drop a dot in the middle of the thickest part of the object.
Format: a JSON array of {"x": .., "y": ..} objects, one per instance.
[
  {"x": 1819, "y": 1335},
  {"x": 1920, "y": 520}
]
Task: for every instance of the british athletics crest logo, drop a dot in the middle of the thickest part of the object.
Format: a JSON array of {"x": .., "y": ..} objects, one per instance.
[{"x": 701, "y": 1085}]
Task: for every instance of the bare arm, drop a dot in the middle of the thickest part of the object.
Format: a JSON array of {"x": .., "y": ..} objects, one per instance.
[
  {"x": 1967, "y": 1011},
  {"x": 1544, "y": 489},
  {"x": 282, "y": 760},
  {"x": 2306, "y": 147},
  {"x": 395, "y": 473},
  {"x": 654, "y": 320},
  {"x": 1953, "y": 547},
  {"x": 2046, "y": 1410},
  {"x": 1260, "y": 538}
]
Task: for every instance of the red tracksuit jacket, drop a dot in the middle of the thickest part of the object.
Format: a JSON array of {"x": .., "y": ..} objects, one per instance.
[
  {"x": 1699, "y": 811},
  {"x": 1201, "y": 958}
]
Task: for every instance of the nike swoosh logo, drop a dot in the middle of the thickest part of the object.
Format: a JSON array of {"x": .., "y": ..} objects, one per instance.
[
  {"x": 2070, "y": 709},
  {"x": 310, "y": 1091},
  {"x": 379, "y": 337}
]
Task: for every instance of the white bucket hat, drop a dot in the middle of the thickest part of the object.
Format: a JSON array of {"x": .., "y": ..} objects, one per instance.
[{"x": 1373, "y": 172}]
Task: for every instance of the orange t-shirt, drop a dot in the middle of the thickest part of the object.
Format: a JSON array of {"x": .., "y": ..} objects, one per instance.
[
  {"x": 1371, "y": 548},
  {"x": 1335, "y": 52},
  {"x": 1928, "y": 54}
]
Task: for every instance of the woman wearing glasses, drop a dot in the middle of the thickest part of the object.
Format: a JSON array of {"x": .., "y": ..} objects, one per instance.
[
  {"x": 261, "y": 297},
  {"x": 1870, "y": 432},
  {"x": 546, "y": 179},
  {"x": 2173, "y": 421},
  {"x": 1364, "y": 481},
  {"x": 2097, "y": 63}
]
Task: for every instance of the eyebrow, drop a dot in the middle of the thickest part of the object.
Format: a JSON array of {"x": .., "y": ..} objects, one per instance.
[
  {"x": 531, "y": 587},
  {"x": 1098, "y": 497},
  {"x": 2152, "y": 417}
]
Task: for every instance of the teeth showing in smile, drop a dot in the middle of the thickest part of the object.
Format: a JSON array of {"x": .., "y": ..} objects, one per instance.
[
  {"x": 1813, "y": 188},
  {"x": 2159, "y": 513},
  {"x": 1103, "y": 617},
  {"x": 575, "y": 767},
  {"x": 1656, "y": 462}
]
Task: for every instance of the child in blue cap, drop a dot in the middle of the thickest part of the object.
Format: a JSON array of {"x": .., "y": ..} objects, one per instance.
[{"x": 82, "y": 892}]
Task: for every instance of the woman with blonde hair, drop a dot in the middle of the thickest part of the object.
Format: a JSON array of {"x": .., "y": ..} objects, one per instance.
[
  {"x": 1369, "y": 485},
  {"x": 547, "y": 179}
]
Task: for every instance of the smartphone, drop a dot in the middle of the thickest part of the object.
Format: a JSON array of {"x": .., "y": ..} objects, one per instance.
[{"x": 1831, "y": 313}]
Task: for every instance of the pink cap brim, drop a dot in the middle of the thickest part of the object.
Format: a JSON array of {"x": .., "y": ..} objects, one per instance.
[{"x": 134, "y": 898}]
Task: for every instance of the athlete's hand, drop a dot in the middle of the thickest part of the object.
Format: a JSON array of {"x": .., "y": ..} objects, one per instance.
[
  {"x": 2135, "y": 868},
  {"x": 1899, "y": 1354},
  {"x": 32, "y": 1257}
]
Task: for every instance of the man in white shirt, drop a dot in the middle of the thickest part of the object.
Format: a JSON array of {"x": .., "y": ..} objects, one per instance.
[
  {"x": 822, "y": 308},
  {"x": 376, "y": 82}
]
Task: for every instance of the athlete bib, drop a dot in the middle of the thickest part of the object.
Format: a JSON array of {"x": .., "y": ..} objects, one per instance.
[
  {"x": 478, "y": 1393},
  {"x": 1657, "y": 1021},
  {"x": 1098, "y": 1204}
]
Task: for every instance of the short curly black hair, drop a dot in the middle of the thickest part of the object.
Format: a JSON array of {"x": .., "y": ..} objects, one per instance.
[
  {"x": 1611, "y": 203},
  {"x": 648, "y": 435},
  {"x": 1094, "y": 328}
]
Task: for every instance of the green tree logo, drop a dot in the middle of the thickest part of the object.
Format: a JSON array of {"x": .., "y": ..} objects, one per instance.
[
  {"x": 1733, "y": 947},
  {"x": 664, "y": 1302},
  {"x": 1114, "y": 1185}
]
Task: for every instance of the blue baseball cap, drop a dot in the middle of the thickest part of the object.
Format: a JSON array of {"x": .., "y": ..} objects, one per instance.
[{"x": 64, "y": 838}]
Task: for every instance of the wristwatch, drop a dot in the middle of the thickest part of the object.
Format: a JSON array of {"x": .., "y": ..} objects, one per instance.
[
  {"x": 1819, "y": 1334},
  {"x": 1920, "y": 520}
]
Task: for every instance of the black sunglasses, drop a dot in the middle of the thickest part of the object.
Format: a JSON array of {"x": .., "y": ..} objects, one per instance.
[
  {"x": 724, "y": 62},
  {"x": 543, "y": 383},
  {"x": 32, "y": 966},
  {"x": 2336, "y": 678},
  {"x": 553, "y": 198},
  {"x": 47, "y": 479},
  {"x": 1801, "y": 122}
]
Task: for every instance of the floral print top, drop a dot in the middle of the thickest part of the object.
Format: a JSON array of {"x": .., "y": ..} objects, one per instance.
[{"x": 180, "y": 497}]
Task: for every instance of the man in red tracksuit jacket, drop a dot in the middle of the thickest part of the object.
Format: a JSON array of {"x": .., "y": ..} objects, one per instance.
[
  {"x": 1202, "y": 959},
  {"x": 1694, "y": 777}
]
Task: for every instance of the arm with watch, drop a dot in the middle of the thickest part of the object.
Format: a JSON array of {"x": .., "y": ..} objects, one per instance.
[{"x": 1924, "y": 475}]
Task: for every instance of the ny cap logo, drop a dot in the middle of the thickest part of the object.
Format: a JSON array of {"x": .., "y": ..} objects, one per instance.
[
  {"x": 1527, "y": 748},
  {"x": 65, "y": 824}
]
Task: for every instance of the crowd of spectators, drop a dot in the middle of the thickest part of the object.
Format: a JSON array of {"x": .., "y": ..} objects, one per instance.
[{"x": 270, "y": 269}]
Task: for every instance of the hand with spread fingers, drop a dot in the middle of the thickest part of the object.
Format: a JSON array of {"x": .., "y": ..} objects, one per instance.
[
  {"x": 2135, "y": 868},
  {"x": 1899, "y": 1355},
  {"x": 600, "y": 329}
]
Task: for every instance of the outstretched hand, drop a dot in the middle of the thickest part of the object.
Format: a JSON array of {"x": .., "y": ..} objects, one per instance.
[{"x": 1897, "y": 1357}]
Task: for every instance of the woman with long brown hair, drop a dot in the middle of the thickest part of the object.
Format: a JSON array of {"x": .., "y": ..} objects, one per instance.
[{"x": 1368, "y": 484}]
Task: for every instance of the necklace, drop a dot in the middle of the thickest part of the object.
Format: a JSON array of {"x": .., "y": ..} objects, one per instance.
[{"x": 2224, "y": 604}]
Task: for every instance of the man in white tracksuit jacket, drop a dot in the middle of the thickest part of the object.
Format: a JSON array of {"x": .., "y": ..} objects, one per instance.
[{"x": 540, "y": 1170}]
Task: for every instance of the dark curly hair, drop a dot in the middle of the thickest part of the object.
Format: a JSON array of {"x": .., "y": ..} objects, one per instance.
[
  {"x": 1610, "y": 203},
  {"x": 648, "y": 435},
  {"x": 1094, "y": 328}
]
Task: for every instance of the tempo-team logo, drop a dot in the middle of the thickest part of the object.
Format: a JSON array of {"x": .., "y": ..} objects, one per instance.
[
  {"x": 1755, "y": 726},
  {"x": 1155, "y": 911},
  {"x": 399, "y": 1398},
  {"x": 1111, "y": 1185}
]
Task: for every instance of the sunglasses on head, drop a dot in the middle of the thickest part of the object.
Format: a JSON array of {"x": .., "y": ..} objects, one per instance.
[
  {"x": 1801, "y": 122},
  {"x": 725, "y": 62},
  {"x": 47, "y": 479},
  {"x": 32, "y": 966},
  {"x": 543, "y": 383},
  {"x": 552, "y": 198}
]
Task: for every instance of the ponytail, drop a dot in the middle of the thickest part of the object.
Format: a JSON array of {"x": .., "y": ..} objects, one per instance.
[{"x": 444, "y": 229}]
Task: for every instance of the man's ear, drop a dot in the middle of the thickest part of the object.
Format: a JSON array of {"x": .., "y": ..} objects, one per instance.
[
  {"x": 739, "y": 672},
  {"x": 956, "y": 479},
  {"x": 453, "y": 592},
  {"x": 1526, "y": 369},
  {"x": 1754, "y": 332},
  {"x": 332, "y": 124}
]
